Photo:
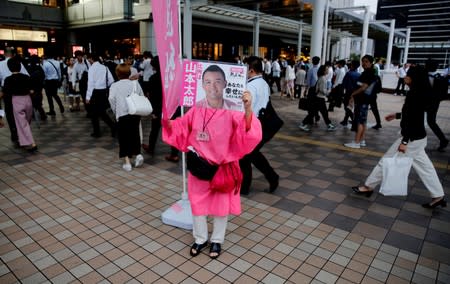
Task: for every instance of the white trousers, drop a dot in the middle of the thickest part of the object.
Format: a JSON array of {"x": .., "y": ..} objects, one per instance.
[
  {"x": 421, "y": 164},
  {"x": 200, "y": 229}
]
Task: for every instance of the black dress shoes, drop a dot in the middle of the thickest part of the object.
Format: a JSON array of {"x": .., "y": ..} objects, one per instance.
[
  {"x": 442, "y": 145},
  {"x": 367, "y": 193},
  {"x": 274, "y": 184},
  {"x": 442, "y": 202}
]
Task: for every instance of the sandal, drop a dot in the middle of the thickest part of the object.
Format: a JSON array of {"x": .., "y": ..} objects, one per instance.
[
  {"x": 196, "y": 248},
  {"x": 214, "y": 251}
]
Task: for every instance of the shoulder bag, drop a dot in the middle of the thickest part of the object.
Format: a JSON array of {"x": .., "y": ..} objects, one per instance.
[
  {"x": 270, "y": 122},
  {"x": 137, "y": 104}
]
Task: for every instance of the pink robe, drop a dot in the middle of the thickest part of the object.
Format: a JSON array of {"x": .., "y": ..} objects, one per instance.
[{"x": 228, "y": 142}]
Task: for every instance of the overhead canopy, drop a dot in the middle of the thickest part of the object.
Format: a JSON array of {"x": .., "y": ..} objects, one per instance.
[{"x": 287, "y": 14}]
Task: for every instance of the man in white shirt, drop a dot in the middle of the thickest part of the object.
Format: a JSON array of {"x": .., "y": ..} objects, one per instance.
[
  {"x": 147, "y": 71},
  {"x": 99, "y": 80},
  {"x": 401, "y": 74},
  {"x": 267, "y": 70},
  {"x": 53, "y": 75},
  {"x": 79, "y": 75},
  {"x": 337, "y": 92},
  {"x": 276, "y": 75},
  {"x": 259, "y": 89}
]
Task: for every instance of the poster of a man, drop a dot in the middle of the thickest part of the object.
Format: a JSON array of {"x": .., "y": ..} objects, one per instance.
[{"x": 213, "y": 85}]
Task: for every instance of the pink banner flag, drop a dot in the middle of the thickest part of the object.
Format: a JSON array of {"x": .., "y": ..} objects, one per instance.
[{"x": 165, "y": 20}]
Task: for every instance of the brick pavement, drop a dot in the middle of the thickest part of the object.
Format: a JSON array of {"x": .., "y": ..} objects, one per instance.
[{"x": 69, "y": 214}]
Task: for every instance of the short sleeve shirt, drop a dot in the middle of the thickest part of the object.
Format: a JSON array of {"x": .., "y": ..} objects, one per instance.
[{"x": 367, "y": 77}]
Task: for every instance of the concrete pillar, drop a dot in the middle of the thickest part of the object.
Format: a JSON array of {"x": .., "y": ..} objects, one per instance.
[
  {"x": 299, "y": 40},
  {"x": 390, "y": 44},
  {"x": 325, "y": 33},
  {"x": 256, "y": 32},
  {"x": 328, "y": 48},
  {"x": 71, "y": 39},
  {"x": 408, "y": 35},
  {"x": 187, "y": 29},
  {"x": 365, "y": 32},
  {"x": 147, "y": 37},
  {"x": 317, "y": 28}
]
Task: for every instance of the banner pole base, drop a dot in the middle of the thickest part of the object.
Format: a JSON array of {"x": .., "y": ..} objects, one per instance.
[{"x": 179, "y": 214}]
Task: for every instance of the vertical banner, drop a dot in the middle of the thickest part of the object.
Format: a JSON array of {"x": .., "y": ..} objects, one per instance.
[
  {"x": 166, "y": 25},
  {"x": 195, "y": 86}
]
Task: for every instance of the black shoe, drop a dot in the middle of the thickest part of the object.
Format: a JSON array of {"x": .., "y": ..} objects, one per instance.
[
  {"x": 343, "y": 123},
  {"x": 51, "y": 113},
  {"x": 196, "y": 248},
  {"x": 96, "y": 135},
  {"x": 61, "y": 109},
  {"x": 367, "y": 193},
  {"x": 274, "y": 184},
  {"x": 32, "y": 149},
  {"x": 376, "y": 127},
  {"x": 244, "y": 192},
  {"x": 216, "y": 249},
  {"x": 442, "y": 145},
  {"x": 432, "y": 205}
]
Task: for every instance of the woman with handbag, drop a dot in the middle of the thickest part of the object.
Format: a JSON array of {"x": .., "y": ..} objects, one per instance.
[
  {"x": 127, "y": 124},
  {"x": 413, "y": 140},
  {"x": 220, "y": 137}
]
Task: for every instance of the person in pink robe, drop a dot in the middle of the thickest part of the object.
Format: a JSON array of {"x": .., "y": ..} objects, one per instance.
[{"x": 220, "y": 136}]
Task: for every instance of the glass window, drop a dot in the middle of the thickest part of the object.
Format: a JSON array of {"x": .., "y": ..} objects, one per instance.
[{"x": 49, "y": 3}]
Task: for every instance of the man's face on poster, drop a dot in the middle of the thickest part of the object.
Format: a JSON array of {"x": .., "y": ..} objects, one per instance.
[{"x": 214, "y": 83}]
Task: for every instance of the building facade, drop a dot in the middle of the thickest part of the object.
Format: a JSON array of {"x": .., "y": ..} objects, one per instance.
[{"x": 430, "y": 28}]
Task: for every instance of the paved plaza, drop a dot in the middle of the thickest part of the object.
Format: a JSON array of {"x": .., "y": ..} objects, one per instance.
[{"x": 70, "y": 214}]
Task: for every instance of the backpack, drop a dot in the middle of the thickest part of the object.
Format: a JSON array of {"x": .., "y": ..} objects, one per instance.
[{"x": 440, "y": 86}]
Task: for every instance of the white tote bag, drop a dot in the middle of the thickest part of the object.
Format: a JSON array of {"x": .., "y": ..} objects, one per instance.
[
  {"x": 137, "y": 104},
  {"x": 395, "y": 175}
]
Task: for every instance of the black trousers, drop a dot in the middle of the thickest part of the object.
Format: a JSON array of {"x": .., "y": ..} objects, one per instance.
[
  {"x": 154, "y": 134},
  {"x": 374, "y": 108},
  {"x": 317, "y": 105},
  {"x": 431, "y": 111},
  {"x": 348, "y": 111},
  {"x": 277, "y": 82},
  {"x": 128, "y": 136},
  {"x": 261, "y": 163},
  {"x": 10, "y": 118},
  {"x": 98, "y": 105},
  {"x": 51, "y": 91},
  {"x": 36, "y": 99},
  {"x": 400, "y": 84}
]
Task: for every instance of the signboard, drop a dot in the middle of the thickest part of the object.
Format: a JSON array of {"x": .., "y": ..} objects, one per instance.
[
  {"x": 23, "y": 35},
  {"x": 195, "y": 86}
]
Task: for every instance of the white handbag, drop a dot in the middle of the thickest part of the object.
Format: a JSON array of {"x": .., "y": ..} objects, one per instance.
[
  {"x": 395, "y": 175},
  {"x": 138, "y": 104}
]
